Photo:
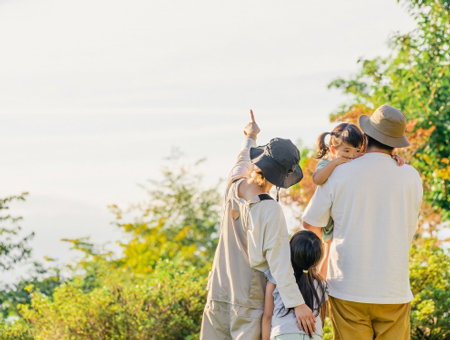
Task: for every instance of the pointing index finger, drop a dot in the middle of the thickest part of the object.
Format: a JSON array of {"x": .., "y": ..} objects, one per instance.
[{"x": 252, "y": 116}]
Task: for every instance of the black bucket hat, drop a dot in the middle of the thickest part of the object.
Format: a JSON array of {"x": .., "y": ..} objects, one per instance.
[{"x": 278, "y": 161}]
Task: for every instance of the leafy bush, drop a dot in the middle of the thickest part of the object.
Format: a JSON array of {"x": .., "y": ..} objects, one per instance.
[
  {"x": 327, "y": 330},
  {"x": 430, "y": 283},
  {"x": 18, "y": 330},
  {"x": 167, "y": 304}
]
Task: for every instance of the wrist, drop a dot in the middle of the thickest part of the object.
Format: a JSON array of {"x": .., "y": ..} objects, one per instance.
[
  {"x": 335, "y": 162},
  {"x": 251, "y": 135}
]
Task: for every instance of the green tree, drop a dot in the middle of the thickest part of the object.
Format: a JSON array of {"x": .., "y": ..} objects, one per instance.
[
  {"x": 14, "y": 251},
  {"x": 178, "y": 222},
  {"x": 13, "y": 247},
  {"x": 155, "y": 288},
  {"x": 42, "y": 279}
]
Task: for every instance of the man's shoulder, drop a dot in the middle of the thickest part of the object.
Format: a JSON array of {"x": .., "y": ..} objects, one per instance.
[
  {"x": 344, "y": 171},
  {"x": 411, "y": 172},
  {"x": 410, "y": 169}
]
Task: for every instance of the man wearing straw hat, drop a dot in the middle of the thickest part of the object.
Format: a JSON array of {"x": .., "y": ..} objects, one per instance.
[
  {"x": 253, "y": 238},
  {"x": 375, "y": 206}
]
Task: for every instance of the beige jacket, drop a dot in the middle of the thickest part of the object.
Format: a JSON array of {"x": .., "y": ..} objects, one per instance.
[{"x": 253, "y": 238}]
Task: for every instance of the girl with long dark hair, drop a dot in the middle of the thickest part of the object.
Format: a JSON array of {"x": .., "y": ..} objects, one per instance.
[{"x": 279, "y": 322}]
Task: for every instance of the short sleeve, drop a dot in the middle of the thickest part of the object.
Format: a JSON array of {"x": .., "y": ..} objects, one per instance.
[
  {"x": 269, "y": 276},
  {"x": 322, "y": 163},
  {"x": 419, "y": 193},
  {"x": 318, "y": 211}
]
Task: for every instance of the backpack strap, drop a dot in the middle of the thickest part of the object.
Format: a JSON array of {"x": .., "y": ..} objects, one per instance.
[{"x": 264, "y": 197}]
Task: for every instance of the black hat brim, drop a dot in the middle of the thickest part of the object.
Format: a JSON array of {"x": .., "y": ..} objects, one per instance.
[{"x": 271, "y": 171}]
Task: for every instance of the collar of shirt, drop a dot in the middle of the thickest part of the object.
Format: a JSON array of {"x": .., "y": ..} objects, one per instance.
[{"x": 376, "y": 155}]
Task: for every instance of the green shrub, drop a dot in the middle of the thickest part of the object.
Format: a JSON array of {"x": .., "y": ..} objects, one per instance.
[
  {"x": 327, "y": 330},
  {"x": 168, "y": 304},
  {"x": 17, "y": 330},
  {"x": 430, "y": 283}
]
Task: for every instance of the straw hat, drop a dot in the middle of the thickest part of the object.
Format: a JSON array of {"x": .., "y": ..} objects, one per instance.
[{"x": 387, "y": 125}]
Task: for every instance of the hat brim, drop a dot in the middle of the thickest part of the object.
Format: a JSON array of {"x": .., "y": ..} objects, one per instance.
[
  {"x": 271, "y": 172},
  {"x": 393, "y": 142}
]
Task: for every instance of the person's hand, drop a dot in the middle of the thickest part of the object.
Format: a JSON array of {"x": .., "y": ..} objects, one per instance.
[
  {"x": 398, "y": 159},
  {"x": 251, "y": 129},
  {"x": 341, "y": 160},
  {"x": 306, "y": 319}
]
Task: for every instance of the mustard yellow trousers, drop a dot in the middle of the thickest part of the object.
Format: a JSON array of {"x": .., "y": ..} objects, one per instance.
[{"x": 368, "y": 321}]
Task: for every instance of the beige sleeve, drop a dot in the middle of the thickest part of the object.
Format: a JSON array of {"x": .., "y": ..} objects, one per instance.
[
  {"x": 269, "y": 242},
  {"x": 243, "y": 164}
]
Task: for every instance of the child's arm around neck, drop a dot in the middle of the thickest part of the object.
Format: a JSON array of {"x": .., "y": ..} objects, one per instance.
[{"x": 321, "y": 175}]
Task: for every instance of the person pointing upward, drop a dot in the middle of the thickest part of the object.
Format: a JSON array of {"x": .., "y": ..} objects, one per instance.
[{"x": 253, "y": 239}]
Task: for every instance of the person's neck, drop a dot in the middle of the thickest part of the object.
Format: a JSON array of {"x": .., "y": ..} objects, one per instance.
[
  {"x": 374, "y": 149},
  {"x": 264, "y": 189},
  {"x": 249, "y": 189}
]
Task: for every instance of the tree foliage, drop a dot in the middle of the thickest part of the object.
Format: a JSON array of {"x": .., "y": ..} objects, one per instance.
[
  {"x": 15, "y": 250},
  {"x": 178, "y": 222},
  {"x": 156, "y": 287},
  {"x": 12, "y": 295},
  {"x": 13, "y": 247},
  {"x": 415, "y": 79}
]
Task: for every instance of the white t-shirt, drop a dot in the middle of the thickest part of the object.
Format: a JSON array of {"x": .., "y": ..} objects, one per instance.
[{"x": 375, "y": 206}]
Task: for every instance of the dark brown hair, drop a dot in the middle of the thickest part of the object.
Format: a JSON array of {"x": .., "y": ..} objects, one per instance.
[
  {"x": 372, "y": 142},
  {"x": 306, "y": 253},
  {"x": 258, "y": 177},
  {"x": 343, "y": 133}
]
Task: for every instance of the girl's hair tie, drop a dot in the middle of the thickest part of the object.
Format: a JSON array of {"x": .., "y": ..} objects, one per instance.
[{"x": 305, "y": 271}]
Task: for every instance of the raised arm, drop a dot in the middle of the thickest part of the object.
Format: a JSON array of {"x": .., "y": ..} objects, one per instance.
[{"x": 243, "y": 164}]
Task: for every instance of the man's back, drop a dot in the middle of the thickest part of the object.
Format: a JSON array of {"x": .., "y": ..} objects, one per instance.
[{"x": 375, "y": 206}]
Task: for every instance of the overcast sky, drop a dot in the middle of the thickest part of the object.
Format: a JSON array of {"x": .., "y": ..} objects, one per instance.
[{"x": 95, "y": 93}]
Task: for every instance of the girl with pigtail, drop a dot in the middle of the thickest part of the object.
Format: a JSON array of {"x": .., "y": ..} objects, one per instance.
[
  {"x": 347, "y": 142},
  {"x": 279, "y": 322}
]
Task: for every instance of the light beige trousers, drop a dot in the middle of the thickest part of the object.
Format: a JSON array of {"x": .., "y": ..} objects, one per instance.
[{"x": 224, "y": 321}]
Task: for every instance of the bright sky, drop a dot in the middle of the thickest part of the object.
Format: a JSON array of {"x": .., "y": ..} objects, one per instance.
[{"x": 95, "y": 93}]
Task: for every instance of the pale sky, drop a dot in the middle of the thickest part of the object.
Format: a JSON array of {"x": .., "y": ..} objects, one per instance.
[{"x": 94, "y": 94}]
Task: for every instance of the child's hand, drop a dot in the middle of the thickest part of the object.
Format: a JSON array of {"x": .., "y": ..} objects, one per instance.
[
  {"x": 398, "y": 159},
  {"x": 341, "y": 160}
]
